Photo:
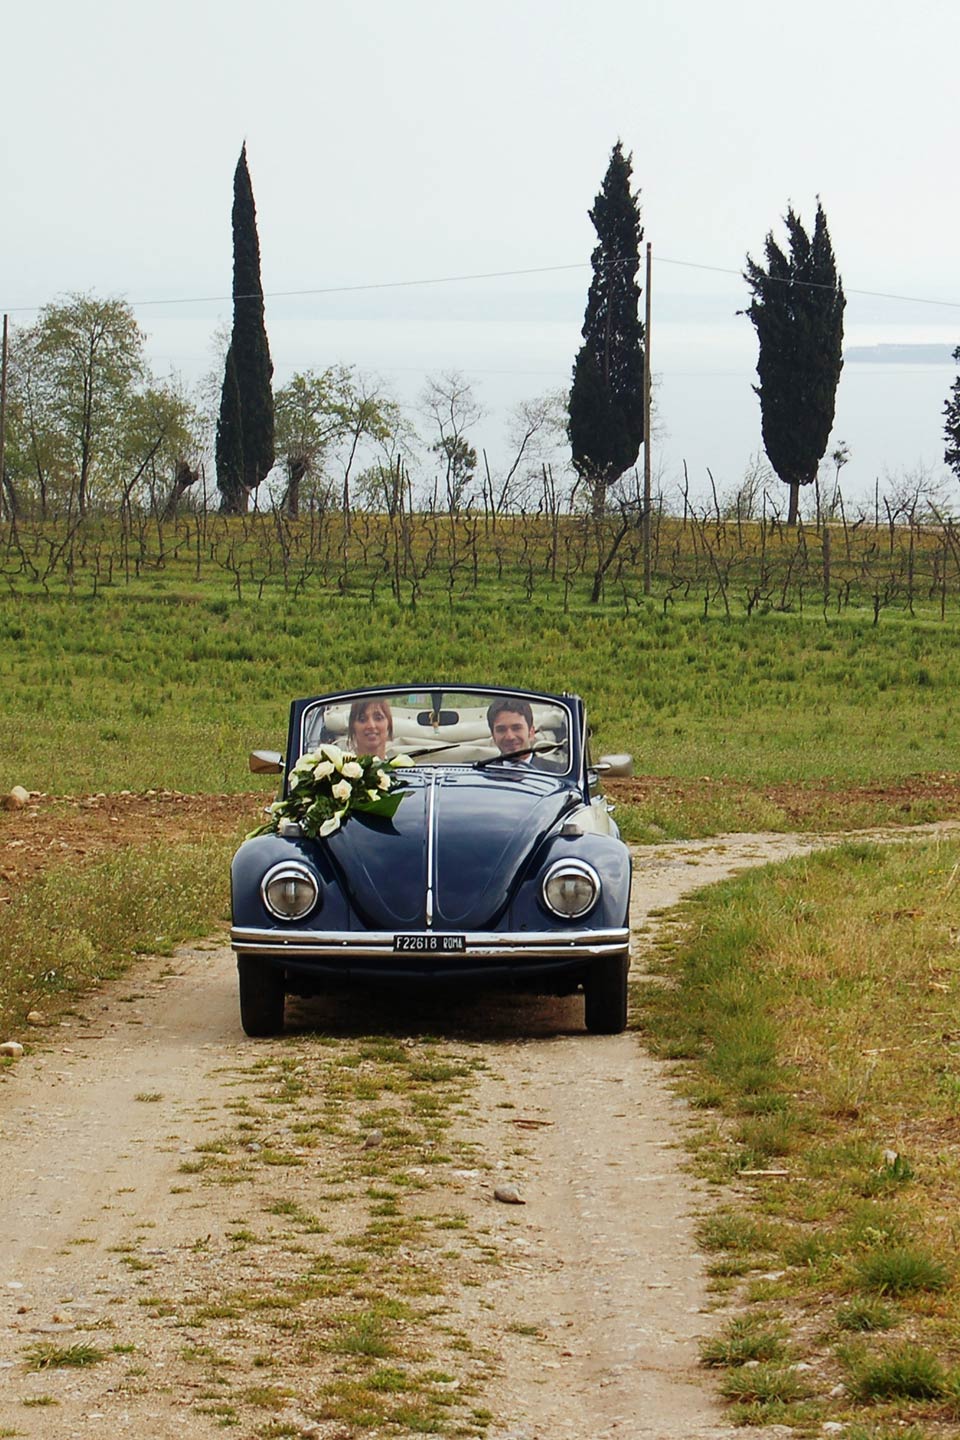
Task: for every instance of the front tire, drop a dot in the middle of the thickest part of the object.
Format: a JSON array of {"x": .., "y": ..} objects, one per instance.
[
  {"x": 605, "y": 995},
  {"x": 262, "y": 996}
]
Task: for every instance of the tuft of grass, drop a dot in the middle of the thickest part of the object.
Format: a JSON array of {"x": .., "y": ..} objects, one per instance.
[
  {"x": 363, "y": 1335},
  {"x": 388, "y": 1380},
  {"x": 133, "y": 1262},
  {"x": 810, "y": 1252},
  {"x": 45, "y": 1355},
  {"x": 266, "y": 1397},
  {"x": 727, "y": 1230},
  {"x": 765, "y": 1137},
  {"x": 901, "y": 1269},
  {"x": 865, "y": 1316},
  {"x": 907, "y": 1372},
  {"x": 764, "y": 1384},
  {"x": 745, "y": 1340},
  {"x": 900, "y": 1431}
]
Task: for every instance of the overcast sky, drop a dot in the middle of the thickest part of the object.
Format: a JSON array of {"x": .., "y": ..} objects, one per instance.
[{"x": 418, "y": 140}]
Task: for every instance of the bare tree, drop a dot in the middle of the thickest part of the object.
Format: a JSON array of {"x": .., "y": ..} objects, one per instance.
[
  {"x": 536, "y": 429},
  {"x": 451, "y": 408},
  {"x": 744, "y": 502}
]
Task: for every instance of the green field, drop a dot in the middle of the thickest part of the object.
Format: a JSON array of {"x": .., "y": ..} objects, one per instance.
[
  {"x": 136, "y": 655},
  {"x": 132, "y": 690}
]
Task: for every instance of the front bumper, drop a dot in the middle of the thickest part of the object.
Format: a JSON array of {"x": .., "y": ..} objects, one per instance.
[
  {"x": 554, "y": 961},
  {"x": 483, "y": 948}
]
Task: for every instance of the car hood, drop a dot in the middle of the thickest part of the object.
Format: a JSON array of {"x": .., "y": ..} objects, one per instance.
[{"x": 487, "y": 824}]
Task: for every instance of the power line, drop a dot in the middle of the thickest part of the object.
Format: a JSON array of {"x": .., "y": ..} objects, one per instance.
[
  {"x": 495, "y": 275},
  {"x": 337, "y": 289},
  {"x": 816, "y": 284}
]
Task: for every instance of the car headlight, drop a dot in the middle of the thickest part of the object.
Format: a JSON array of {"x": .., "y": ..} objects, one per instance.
[
  {"x": 290, "y": 891},
  {"x": 570, "y": 888}
]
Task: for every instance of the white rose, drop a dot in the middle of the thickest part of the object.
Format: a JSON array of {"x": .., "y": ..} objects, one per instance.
[
  {"x": 342, "y": 790},
  {"x": 295, "y": 780},
  {"x": 328, "y": 826},
  {"x": 321, "y": 771},
  {"x": 383, "y": 780},
  {"x": 352, "y": 770},
  {"x": 334, "y": 754}
]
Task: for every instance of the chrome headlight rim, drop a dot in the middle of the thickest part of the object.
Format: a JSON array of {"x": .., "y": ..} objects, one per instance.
[
  {"x": 579, "y": 868},
  {"x": 289, "y": 870}
]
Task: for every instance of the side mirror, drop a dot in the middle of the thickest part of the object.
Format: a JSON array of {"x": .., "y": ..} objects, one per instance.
[
  {"x": 266, "y": 762},
  {"x": 621, "y": 765}
]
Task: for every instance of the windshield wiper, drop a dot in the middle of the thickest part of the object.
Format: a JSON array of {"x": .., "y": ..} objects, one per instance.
[
  {"x": 518, "y": 754},
  {"x": 434, "y": 749}
]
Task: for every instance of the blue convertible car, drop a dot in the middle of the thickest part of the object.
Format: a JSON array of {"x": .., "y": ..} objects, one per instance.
[{"x": 434, "y": 834}]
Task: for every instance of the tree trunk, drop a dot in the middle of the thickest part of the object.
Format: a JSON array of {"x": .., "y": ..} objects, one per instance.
[
  {"x": 9, "y": 494},
  {"x": 297, "y": 467},
  {"x": 794, "y": 509},
  {"x": 185, "y": 477},
  {"x": 235, "y": 501}
]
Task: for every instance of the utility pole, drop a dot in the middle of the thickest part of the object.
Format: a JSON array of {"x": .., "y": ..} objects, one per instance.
[
  {"x": 646, "y": 425},
  {"x": 3, "y": 409}
]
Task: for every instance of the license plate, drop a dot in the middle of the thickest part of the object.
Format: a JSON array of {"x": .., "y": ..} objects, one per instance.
[{"x": 431, "y": 944}]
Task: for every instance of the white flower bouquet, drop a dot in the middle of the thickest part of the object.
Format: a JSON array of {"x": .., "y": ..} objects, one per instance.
[{"x": 328, "y": 785}]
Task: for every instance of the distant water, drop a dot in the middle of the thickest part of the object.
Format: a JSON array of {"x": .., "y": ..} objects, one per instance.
[{"x": 889, "y": 414}]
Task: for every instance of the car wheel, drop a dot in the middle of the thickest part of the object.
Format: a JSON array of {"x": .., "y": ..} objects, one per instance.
[
  {"x": 262, "y": 996},
  {"x": 605, "y": 995}
]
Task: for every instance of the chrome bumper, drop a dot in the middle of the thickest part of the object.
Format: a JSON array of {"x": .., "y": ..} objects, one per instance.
[{"x": 485, "y": 946}]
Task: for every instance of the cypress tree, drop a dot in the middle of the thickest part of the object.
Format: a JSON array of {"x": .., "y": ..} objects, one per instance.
[
  {"x": 229, "y": 449},
  {"x": 244, "y": 450},
  {"x": 797, "y": 312},
  {"x": 606, "y": 399},
  {"x": 951, "y": 429}
]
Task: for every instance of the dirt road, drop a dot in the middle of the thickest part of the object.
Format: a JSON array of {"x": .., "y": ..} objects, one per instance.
[{"x": 301, "y": 1237}]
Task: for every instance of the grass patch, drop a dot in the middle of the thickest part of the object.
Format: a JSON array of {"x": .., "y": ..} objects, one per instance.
[
  {"x": 898, "y": 1271},
  {"x": 814, "y": 1002},
  {"x": 729, "y": 1230},
  {"x": 745, "y": 1340},
  {"x": 906, "y": 1372},
  {"x": 363, "y": 1335},
  {"x": 45, "y": 1355},
  {"x": 764, "y": 1384},
  {"x": 96, "y": 919},
  {"x": 865, "y": 1315}
]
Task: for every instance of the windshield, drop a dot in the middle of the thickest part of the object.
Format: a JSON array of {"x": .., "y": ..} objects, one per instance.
[{"x": 445, "y": 727}]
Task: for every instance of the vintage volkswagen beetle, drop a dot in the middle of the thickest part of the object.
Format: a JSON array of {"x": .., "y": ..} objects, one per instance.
[{"x": 500, "y": 867}]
